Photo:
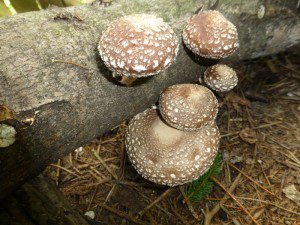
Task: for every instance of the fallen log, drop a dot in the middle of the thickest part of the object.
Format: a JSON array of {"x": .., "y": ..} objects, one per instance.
[
  {"x": 38, "y": 201},
  {"x": 57, "y": 95}
]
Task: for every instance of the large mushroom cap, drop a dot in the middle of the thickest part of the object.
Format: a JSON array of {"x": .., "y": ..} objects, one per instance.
[
  {"x": 138, "y": 45},
  {"x": 220, "y": 78},
  {"x": 168, "y": 156},
  {"x": 209, "y": 34},
  {"x": 188, "y": 106}
]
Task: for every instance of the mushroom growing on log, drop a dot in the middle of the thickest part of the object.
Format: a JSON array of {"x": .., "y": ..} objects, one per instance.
[
  {"x": 138, "y": 45},
  {"x": 210, "y": 35},
  {"x": 50, "y": 72},
  {"x": 165, "y": 155}
]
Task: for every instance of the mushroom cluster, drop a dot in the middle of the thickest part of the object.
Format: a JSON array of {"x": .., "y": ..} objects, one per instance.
[
  {"x": 177, "y": 142},
  {"x": 138, "y": 45},
  {"x": 173, "y": 151}
]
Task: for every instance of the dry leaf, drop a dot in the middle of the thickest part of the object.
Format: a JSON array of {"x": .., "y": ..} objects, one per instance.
[
  {"x": 248, "y": 135},
  {"x": 5, "y": 113},
  {"x": 292, "y": 193},
  {"x": 235, "y": 99}
]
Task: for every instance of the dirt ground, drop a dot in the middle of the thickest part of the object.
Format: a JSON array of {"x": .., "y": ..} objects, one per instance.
[{"x": 260, "y": 126}]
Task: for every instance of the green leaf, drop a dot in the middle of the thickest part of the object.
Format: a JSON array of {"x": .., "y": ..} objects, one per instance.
[{"x": 203, "y": 185}]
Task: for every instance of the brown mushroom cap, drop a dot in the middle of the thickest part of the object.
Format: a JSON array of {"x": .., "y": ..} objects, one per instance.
[
  {"x": 188, "y": 106},
  {"x": 220, "y": 78},
  {"x": 138, "y": 45},
  {"x": 168, "y": 156},
  {"x": 209, "y": 34}
]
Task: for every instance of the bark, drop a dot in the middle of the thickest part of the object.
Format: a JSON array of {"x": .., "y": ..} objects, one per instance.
[
  {"x": 59, "y": 106},
  {"x": 38, "y": 202}
]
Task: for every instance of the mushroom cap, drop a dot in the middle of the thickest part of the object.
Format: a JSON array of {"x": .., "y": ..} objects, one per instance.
[
  {"x": 210, "y": 35},
  {"x": 188, "y": 107},
  {"x": 168, "y": 156},
  {"x": 220, "y": 77},
  {"x": 138, "y": 45}
]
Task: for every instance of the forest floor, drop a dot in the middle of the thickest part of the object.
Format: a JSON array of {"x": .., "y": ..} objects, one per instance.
[{"x": 260, "y": 126}]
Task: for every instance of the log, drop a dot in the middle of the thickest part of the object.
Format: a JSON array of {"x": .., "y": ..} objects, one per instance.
[
  {"x": 40, "y": 202},
  {"x": 57, "y": 95}
]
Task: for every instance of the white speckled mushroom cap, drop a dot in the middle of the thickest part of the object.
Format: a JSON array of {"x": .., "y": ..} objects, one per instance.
[
  {"x": 168, "y": 156},
  {"x": 210, "y": 35},
  {"x": 188, "y": 107},
  {"x": 138, "y": 45},
  {"x": 220, "y": 78}
]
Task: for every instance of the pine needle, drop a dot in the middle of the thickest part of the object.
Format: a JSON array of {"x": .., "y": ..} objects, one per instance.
[{"x": 203, "y": 185}]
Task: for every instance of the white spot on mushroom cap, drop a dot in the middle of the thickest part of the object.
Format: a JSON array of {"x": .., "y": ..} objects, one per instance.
[
  {"x": 139, "y": 68},
  {"x": 168, "y": 156}
]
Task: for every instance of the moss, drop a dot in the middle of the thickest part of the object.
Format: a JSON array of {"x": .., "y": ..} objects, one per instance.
[{"x": 57, "y": 31}]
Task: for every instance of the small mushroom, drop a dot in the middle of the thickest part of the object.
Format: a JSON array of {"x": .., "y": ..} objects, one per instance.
[
  {"x": 138, "y": 45},
  {"x": 188, "y": 107},
  {"x": 210, "y": 35},
  {"x": 168, "y": 156},
  {"x": 220, "y": 78}
]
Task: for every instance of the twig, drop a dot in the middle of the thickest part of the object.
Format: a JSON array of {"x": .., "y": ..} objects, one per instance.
[
  {"x": 110, "y": 193},
  {"x": 209, "y": 215},
  {"x": 92, "y": 199},
  {"x": 157, "y": 206},
  {"x": 269, "y": 203},
  {"x": 250, "y": 178},
  {"x": 65, "y": 169},
  {"x": 104, "y": 164},
  {"x": 156, "y": 201},
  {"x": 58, "y": 172},
  {"x": 190, "y": 206},
  {"x": 291, "y": 156},
  {"x": 264, "y": 173},
  {"x": 71, "y": 63},
  {"x": 259, "y": 213},
  {"x": 179, "y": 216},
  {"x": 233, "y": 197},
  {"x": 254, "y": 128},
  {"x": 122, "y": 214},
  {"x": 282, "y": 182}
]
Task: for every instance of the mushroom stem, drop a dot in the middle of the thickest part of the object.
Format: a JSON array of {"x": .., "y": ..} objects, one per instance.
[{"x": 127, "y": 81}]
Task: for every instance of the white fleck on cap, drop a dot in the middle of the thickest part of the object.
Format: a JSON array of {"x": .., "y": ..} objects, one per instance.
[
  {"x": 165, "y": 155},
  {"x": 138, "y": 45},
  {"x": 188, "y": 107},
  {"x": 210, "y": 35},
  {"x": 220, "y": 78}
]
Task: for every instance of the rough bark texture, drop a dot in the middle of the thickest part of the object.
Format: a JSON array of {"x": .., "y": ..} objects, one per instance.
[
  {"x": 38, "y": 202},
  {"x": 70, "y": 105}
]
